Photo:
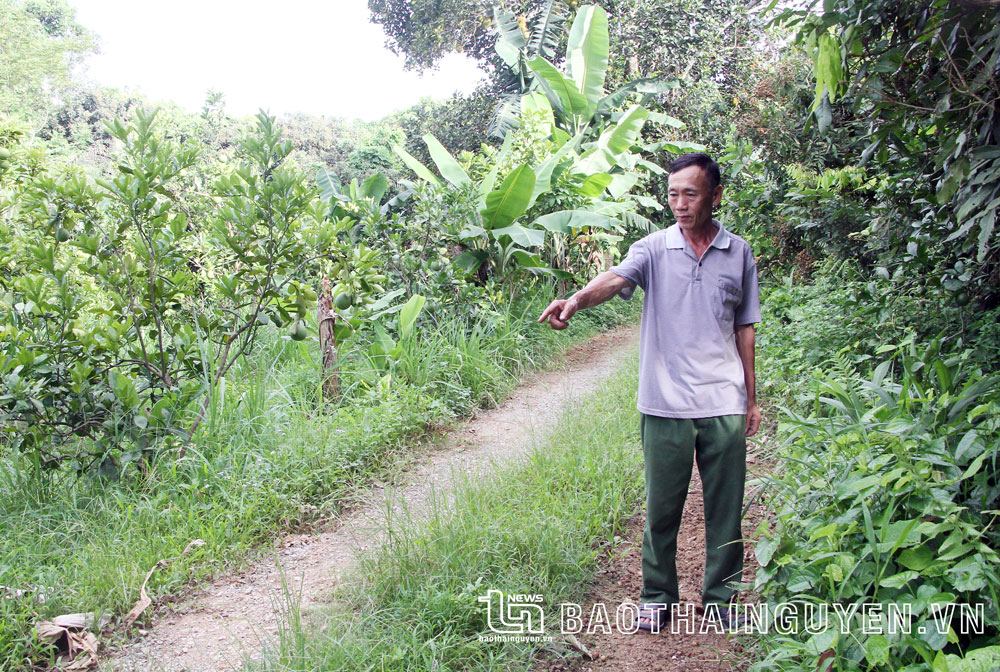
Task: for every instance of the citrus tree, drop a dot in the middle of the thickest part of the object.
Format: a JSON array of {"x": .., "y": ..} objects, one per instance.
[{"x": 120, "y": 314}]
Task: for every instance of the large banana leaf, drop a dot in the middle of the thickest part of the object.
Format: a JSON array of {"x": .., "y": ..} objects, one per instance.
[
  {"x": 536, "y": 101},
  {"x": 628, "y": 161},
  {"x": 509, "y": 202},
  {"x": 486, "y": 186},
  {"x": 420, "y": 169},
  {"x": 596, "y": 160},
  {"x": 506, "y": 117},
  {"x": 647, "y": 202},
  {"x": 329, "y": 184},
  {"x": 645, "y": 85},
  {"x": 639, "y": 222},
  {"x": 470, "y": 260},
  {"x": 471, "y": 231},
  {"x": 545, "y": 170},
  {"x": 619, "y": 138},
  {"x": 568, "y": 96},
  {"x": 408, "y": 315},
  {"x": 651, "y": 167},
  {"x": 446, "y": 163},
  {"x": 508, "y": 30},
  {"x": 587, "y": 54},
  {"x": 521, "y": 235},
  {"x": 565, "y": 221},
  {"x": 533, "y": 264},
  {"x": 621, "y": 183},
  {"x": 375, "y": 187},
  {"x": 595, "y": 184},
  {"x": 610, "y": 208},
  {"x": 548, "y": 28}
]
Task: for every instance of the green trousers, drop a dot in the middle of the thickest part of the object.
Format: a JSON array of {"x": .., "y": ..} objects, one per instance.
[{"x": 670, "y": 446}]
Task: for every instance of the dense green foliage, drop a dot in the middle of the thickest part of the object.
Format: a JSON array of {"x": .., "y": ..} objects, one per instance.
[
  {"x": 889, "y": 485},
  {"x": 918, "y": 87},
  {"x": 888, "y": 490}
]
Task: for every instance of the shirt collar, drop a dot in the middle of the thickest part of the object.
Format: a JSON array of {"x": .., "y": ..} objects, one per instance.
[{"x": 675, "y": 239}]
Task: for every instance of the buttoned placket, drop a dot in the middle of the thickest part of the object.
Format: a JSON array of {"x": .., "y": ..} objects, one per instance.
[
  {"x": 696, "y": 268},
  {"x": 696, "y": 265}
]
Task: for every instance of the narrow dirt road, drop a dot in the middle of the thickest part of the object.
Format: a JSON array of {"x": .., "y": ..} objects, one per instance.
[{"x": 228, "y": 620}]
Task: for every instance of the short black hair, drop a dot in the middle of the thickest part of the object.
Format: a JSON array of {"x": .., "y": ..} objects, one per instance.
[{"x": 703, "y": 161}]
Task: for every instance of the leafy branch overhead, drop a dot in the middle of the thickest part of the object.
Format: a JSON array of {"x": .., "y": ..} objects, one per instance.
[{"x": 930, "y": 78}]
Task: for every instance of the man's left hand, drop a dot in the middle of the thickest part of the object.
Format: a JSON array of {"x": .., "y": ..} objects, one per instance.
[{"x": 753, "y": 419}]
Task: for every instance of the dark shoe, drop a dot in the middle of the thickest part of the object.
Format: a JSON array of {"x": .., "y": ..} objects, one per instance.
[
  {"x": 729, "y": 616},
  {"x": 653, "y": 616}
]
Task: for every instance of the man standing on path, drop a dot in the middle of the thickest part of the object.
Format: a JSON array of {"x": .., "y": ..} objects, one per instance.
[{"x": 696, "y": 382}]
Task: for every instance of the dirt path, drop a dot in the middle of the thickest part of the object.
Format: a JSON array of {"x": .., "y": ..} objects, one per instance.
[
  {"x": 227, "y": 620},
  {"x": 620, "y": 581}
]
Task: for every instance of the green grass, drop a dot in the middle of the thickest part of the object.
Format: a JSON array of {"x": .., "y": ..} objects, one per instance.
[
  {"x": 537, "y": 527},
  {"x": 268, "y": 458}
]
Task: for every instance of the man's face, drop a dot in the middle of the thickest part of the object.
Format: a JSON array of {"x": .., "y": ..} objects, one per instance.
[{"x": 690, "y": 198}]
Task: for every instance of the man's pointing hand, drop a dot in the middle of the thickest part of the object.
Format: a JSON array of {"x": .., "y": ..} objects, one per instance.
[
  {"x": 558, "y": 313},
  {"x": 600, "y": 289}
]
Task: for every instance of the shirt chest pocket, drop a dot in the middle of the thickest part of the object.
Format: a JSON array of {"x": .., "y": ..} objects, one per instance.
[{"x": 728, "y": 296}]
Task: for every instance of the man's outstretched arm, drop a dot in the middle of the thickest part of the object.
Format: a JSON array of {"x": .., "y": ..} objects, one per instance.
[
  {"x": 745, "y": 337},
  {"x": 603, "y": 287}
]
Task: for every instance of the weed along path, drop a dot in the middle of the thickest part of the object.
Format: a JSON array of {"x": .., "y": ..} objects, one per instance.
[{"x": 235, "y": 617}]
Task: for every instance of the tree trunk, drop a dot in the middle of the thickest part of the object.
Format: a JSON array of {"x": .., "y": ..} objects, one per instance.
[
  {"x": 326, "y": 318},
  {"x": 632, "y": 67}
]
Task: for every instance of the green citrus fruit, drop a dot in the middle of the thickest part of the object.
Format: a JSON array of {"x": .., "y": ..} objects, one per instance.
[
  {"x": 962, "y": 298},
  {"x": 435, "y": 266},
  {"x": 297, "y": 331},
  {"x": 343, "y": 301},
  {"x": 4, "y": 154},
  {"x": 62, "y": 235}
]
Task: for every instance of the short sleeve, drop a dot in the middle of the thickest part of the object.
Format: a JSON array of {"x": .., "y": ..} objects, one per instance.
[
  {"x": 635, "y": 267},
  {"x": 748, "y": 312}
]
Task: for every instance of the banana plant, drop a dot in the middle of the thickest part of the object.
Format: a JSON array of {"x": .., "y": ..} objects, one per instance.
[
  {"x": 577, "y": 97},
  {"x": 519, "y": 39},
  {"x": 451, "y": 170},
  {"x": 384, "y": 352},
  {"x": 605, "y": 138},
  {"x": 502, "y": 240}
]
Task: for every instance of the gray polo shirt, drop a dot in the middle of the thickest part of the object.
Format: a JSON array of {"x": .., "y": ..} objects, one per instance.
[{"x": 688, "y": 363}]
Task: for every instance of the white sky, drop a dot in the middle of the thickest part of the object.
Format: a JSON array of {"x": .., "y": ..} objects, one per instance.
[{"x": 321, "y": 57}]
